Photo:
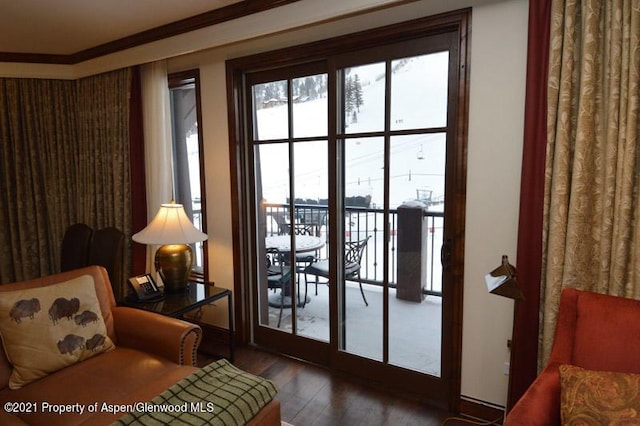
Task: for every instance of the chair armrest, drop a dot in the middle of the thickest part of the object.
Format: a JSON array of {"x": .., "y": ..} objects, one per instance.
[
  {"x": 170, "y": 338},
  {"x": 540, "y": 404}
]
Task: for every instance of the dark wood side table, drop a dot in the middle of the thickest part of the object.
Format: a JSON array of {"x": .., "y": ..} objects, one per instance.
[{"x": 177, "y": 304}]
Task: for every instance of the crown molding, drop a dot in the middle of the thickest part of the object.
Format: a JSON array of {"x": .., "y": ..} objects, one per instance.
[{"x": 217, "y": 16}]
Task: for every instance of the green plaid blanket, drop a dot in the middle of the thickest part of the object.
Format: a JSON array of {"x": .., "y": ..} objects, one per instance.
[{"x": 217, "y": 394}]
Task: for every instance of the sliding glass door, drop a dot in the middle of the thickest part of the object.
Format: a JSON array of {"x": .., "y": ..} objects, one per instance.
[
  {"x": 353, "y": 172},
  {"x": 394, "y": 134},
  {"x": 291, "y": 185}
]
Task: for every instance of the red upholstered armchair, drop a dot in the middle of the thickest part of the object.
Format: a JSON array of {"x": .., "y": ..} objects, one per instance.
[{"x": 593, "y": 331}]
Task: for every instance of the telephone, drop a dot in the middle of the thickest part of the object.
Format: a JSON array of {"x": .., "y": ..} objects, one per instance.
[{"x": 145, "y": 288}]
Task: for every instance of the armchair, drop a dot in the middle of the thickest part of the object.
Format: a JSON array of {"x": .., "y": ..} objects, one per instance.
[
  {"x": 151, "y": 352},
  {"x": 593, "y": 331},
  {"x": 74, "y": 252}
]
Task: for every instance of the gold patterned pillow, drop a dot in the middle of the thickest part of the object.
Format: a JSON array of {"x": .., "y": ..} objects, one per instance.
[
  {"x": 48, "y": 328},
  {"x": 598, "y": 397}
]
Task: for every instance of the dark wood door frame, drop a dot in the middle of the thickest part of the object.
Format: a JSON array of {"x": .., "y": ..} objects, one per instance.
[{"x": 459, "y": 22}]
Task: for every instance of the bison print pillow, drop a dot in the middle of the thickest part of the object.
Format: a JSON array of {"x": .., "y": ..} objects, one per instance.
[{"x": 48, "y": 328}]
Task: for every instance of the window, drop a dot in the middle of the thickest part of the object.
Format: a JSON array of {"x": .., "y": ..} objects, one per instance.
[{"x": 188, "y": 166}]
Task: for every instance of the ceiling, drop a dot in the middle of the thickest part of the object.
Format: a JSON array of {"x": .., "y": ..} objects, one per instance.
[
  {"x": 66, "y": 27},
  {"x": 76, "y": 38}
]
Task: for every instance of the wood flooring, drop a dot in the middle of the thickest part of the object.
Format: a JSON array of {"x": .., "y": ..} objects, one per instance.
[{"x": 312, "y": 395}]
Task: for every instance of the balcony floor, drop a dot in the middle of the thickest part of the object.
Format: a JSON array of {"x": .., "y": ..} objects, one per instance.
[{"x": 414, "y": 328}]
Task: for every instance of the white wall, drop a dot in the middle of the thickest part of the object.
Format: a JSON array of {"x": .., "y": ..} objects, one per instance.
[
  {"x": 498, "y": 52},
  {"x": 496, "y": 121}
]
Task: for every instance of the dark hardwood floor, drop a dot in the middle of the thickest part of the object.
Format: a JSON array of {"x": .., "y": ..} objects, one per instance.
[{"x": 312, "y": 395}]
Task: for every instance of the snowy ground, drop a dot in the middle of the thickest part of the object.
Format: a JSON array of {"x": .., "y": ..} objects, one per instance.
[{"x": 414, "y": 328}]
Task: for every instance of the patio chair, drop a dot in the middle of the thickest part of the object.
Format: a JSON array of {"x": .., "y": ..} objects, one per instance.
[
  {"x": 278, "y": 276},
  {"x": 302, "y": 229},
  {"x": 353, "y": 251},
  {"x": 303, "y": 260},
  {"x": 282, "y": 220}
]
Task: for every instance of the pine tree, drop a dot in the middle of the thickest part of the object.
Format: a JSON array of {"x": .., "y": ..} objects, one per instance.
[
  {"x": 357, "y": 92},
  {"x": 348, "y": 96},
  {"x": 270, "y": 91}
]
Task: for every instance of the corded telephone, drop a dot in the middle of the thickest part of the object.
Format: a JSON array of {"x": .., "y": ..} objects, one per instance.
[{"x": 145, "y": 288}]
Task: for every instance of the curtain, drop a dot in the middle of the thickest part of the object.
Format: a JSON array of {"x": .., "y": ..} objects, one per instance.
[
  {"x": 138, "y": 189},
  {"x": 63, "y": 159},
  {"x": 524, "y": 350},
  {"x": 591, "y": 208},
  {"x": 103, "y": 180},
  {"x": 156, "y": 117},
  {"x": 37, "y": 149}
]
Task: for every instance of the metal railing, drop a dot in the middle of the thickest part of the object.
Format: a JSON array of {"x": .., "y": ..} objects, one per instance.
[{"x": 361, "y": 222}]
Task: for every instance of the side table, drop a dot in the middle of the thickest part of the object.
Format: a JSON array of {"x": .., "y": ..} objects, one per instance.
[{"x": 177, "y": 304}]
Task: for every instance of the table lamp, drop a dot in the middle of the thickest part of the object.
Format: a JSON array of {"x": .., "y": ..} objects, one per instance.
[{"x": 174, "y": 231}]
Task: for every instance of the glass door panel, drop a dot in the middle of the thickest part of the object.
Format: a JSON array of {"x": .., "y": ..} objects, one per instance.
[
  {"x": 416, "y": 192},
  {"x": 419, "y": 90},
  {"x": 400, "y": 273},
  {"x": 310, "y": 106},
  {"x": 271, "y": 118},
  {"x": 272, "y": 192},
  {"x": 310, "y": 235},
  {"x": 291, "y": 185},
  {"x": 363, "y": 98},
  {"x": 362, "y": 304}
]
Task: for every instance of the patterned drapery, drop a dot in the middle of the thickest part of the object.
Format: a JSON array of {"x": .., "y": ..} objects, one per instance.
[
  {"x": 64, "y": 158},
  {"x": 591, "y": 212}
]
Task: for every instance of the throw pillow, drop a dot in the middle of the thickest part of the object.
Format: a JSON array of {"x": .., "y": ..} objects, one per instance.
[
  {"x": 45, "y": 329},
  {"x": 598, "y": 397}
]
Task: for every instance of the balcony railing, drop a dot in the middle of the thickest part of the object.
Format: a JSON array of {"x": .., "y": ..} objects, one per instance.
[{"x": 361, "y": 222}]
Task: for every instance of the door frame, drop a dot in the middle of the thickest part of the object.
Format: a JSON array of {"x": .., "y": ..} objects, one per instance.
[{"x": 243, "y": 219}]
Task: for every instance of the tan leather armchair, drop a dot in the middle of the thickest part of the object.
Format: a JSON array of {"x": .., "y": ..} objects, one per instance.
[{"x": 152, "y": 353}]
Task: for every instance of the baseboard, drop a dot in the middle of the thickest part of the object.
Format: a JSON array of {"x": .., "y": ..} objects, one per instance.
[{"x": 481, "y": 410}]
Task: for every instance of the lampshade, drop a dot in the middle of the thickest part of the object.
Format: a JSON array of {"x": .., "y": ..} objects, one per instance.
[
  {"x": 170, "y": 226},
  {"x": 172, "y": 229}
]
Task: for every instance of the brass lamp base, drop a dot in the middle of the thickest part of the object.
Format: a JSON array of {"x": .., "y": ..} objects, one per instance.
[{"x": 174, "y": 262}]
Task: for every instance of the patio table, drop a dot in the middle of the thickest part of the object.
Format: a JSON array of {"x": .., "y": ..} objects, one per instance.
[{"x": 303, "y": 244}]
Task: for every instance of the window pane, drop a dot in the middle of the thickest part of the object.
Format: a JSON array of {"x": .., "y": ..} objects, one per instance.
[
  {"x": 186, "y": 154},
  {"x": 416, "y": 169},
  {"x": 364, "y": 189},
  {"x": 310, "y": 106},
  {"x": 271, "y": 164},
  {"x": 310, "y": 229},
  {"x": 270, "y": 106},
  {"x": 419, "y": 91},
  {"x": 363, "y": 98},
  {"x": 272, "y": 172}
]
